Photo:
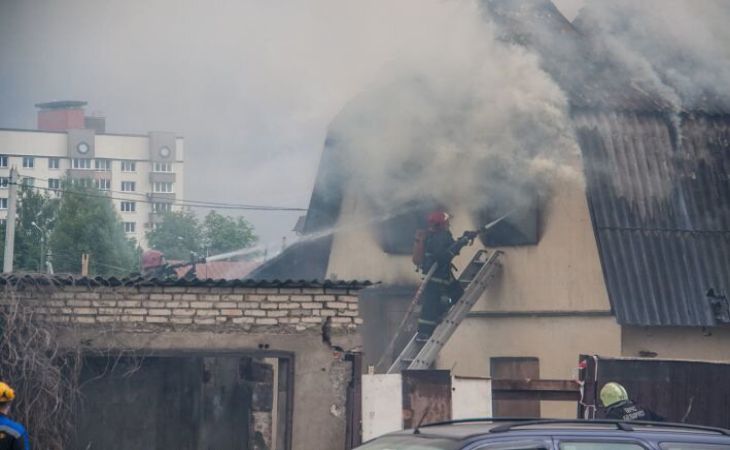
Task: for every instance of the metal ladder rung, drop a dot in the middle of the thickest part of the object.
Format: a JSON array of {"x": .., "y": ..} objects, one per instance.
[
  {"x": 458, "y": 312},
  {"x": 420, "y": 355}
]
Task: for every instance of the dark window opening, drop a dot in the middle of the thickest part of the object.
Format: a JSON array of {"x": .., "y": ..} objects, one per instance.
[
  {"x": 520, "y": 227},
  {"x": 395, "y": 234}
]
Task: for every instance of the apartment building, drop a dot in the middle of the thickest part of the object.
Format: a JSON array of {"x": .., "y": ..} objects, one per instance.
[{"x": 141, "y": 173}]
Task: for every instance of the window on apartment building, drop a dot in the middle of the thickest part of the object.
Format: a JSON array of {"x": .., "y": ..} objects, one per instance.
[
  {"x": 129, "y": 166},
  {"x": 128, "y": 186},
  {"x": 82, "y": 182},
  {"x": 3, "y": 161},
  {"x": 54, "y": 163},
  {"x": 54, "y": 183},
  {"x": 81, "y": 163},
  {"x": 161, "y": 208},
  {"x": 3, "y": 203},
  {"x": 27, "y": 181},
  {"x": 129, "y": 227},
  {"x": 103, "y": 184},
  {"x": 162, "y": 187},
  {"x": 28, "y": 162},
  {"x": 128, "y": 206},
  {"x": 4, "y": 182},
  {"x": 162, "y": 167},
  {"x": 104, "y": 165}
]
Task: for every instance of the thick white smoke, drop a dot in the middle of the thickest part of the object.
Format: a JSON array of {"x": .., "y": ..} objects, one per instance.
[
  {"x": 460, "y": 118},
  {"x": 676, "y": 49}
]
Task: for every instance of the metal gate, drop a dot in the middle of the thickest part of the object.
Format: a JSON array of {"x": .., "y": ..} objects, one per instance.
[{"x": 221, "y": 402}]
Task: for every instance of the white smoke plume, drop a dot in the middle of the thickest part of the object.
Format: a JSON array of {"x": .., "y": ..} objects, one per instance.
[
  {"x": 677, "y": 49},
  {"x": 460, "y": 118}
]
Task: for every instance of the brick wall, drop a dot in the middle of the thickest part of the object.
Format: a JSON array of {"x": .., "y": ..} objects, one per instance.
[{"x": 283, "y": 309}]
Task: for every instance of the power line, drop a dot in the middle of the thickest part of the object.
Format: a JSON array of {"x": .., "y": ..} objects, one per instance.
[{"x": 177, "y": 202}]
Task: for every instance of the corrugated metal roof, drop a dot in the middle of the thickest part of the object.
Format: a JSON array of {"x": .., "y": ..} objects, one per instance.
[
  {"x": 35, "y": 279},
  {"x": 661, "y": 212}
]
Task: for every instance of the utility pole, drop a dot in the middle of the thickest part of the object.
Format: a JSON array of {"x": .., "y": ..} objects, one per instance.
[
  {"x": 84, "y": 264},
  {"x": 10, "y": 221}
]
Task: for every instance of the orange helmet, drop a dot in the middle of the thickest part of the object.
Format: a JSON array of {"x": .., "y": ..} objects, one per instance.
[
  {"x": 438, "y": 219},
  {"x": 7, "y": 394}
]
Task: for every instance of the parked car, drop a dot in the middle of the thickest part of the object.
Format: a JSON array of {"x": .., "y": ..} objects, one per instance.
[{"x": 553, "y": 434}]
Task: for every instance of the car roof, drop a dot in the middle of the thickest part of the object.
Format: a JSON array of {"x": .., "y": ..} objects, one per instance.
[{"x": 472, "y": 428}]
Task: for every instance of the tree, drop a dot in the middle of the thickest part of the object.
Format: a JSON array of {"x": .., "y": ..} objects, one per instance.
[
  {"x": 224, "y": 233},
  {"x": 87, "y": 223},
  {"x": 179, "y": 235},
  {"x": 35, "y": 219}
]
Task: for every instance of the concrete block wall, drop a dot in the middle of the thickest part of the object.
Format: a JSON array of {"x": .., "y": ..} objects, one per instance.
[{"x": 265, "y": 309}]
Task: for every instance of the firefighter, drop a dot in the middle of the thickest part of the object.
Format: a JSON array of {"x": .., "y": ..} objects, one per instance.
[
  {"x": 442, "y": 290},
  {"x": 618, "y": 405},
  {"x": 154, "y": 265},
  {"x": 12, "y": 434}
]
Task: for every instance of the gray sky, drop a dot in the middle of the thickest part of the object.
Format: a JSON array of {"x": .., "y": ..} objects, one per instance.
[{"x": 252, "y": 85}]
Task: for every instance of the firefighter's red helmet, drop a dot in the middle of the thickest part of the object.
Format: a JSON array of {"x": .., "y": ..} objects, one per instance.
[{"x": 438, "y": 219}]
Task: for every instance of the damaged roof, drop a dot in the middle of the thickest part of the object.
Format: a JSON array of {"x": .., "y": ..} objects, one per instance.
[
  {"x": 658, "y": 187},
  {"x": 659, "y": 196},
  {"x": 576, "y": 61},
  {"x": 37, "y": 279}
]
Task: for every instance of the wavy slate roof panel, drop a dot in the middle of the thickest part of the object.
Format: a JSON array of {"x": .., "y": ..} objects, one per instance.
[
  {"x": 661, "y": 212},
  {"x": 36, "y": 279}
]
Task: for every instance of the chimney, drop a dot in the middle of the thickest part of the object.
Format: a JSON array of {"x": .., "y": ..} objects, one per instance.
[
  {"x": 61, "y": 116},
  {"x": 96, "y": 121}
]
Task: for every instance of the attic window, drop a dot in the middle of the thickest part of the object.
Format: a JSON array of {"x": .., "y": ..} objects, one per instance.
[
  {"x": 517, "y": 229},
  {"x": 395, "y": 234}
]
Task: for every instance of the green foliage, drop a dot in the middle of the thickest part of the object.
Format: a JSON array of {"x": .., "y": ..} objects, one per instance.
[
  {"x": 41, "y": 209},
  {"x": 88, "y": 223},
  {"x": 33, "y": 207},
  {"x": 225, "y": 234},
  {"x": 181, "y": 233},
  {"x": 177, "y": 236}
]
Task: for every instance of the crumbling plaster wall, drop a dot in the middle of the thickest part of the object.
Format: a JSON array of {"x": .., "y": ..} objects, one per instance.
[{"x": 288, "y": 321}]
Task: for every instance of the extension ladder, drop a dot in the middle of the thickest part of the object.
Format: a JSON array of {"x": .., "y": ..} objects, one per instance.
[{"x": 474, "y": 278}]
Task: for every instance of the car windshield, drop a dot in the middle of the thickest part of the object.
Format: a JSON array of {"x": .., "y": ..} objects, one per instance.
[{"x": 410, "y": 443}]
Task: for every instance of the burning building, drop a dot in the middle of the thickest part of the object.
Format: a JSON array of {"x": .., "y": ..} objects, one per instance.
[{"x": 618, "y": 240}]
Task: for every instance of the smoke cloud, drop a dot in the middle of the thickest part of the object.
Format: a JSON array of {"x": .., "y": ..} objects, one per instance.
[
  {"x": 676, "y": 49},
  {"x": 461, "y": 118}
]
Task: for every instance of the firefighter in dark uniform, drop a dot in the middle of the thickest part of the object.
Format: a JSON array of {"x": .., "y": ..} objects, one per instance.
[
  {"x": 12, "y": 434},
  {"x": 618, "y": 405},
  {"x": 442, "y": 290}
]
